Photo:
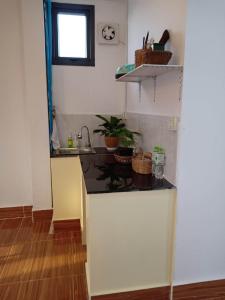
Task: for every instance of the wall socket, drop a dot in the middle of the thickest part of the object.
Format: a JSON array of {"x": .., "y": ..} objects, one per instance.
[{"x": 173, "y": 124}]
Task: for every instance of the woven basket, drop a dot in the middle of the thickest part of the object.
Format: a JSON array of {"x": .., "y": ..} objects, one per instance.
[
  {"x": 147, "y": 56},
  {"x": 142, "y": 163},
  {"x": 123, "y": 159}
]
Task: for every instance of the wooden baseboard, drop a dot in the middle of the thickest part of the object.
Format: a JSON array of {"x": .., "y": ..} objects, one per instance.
[
  {"x": 209, "y": 290},
  {"x": 15, "y": 212},
  {"x": 43, "y": 215},
  {"x": 161, "y": 293},
  {"x": 73, "y": 224}
]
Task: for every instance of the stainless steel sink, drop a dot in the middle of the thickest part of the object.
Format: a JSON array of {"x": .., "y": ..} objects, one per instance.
[
  {"x": 68, "y": 151},
  {"x": 86, "y": 150},
  {"x": 76, "y": 151}
]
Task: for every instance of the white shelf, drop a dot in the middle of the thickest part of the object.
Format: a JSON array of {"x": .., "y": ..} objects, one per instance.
[{"x": 148, "y": 71}]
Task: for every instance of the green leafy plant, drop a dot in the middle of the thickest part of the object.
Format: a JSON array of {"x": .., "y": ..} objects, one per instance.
[
  {"x": 112, "y": 127},
  {"x": 127, "y": 137}
]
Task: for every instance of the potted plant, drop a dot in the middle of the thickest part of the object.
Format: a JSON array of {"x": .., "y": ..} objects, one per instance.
[
  {"x": 127, "y": 141},
  {"x": 112, "y": 129}
]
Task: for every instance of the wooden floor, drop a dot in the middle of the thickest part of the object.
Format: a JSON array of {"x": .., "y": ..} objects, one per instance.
[{"x": 37, "y": 265}]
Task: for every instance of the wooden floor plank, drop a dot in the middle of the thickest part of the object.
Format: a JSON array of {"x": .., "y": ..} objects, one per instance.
[
  {"x": 9, "y": 230},
  {"x": 35, "y": 264}
]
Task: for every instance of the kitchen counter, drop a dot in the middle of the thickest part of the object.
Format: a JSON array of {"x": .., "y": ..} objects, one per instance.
[
  {"x": 127, "y": 224},
  {"x": 102, "y": 174},
  {"x": 118, "y": 210}
]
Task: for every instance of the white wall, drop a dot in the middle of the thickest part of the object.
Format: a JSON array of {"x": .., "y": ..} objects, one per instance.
[
  {"x": 200, "y": 245},
  {"x": 24, "y": 159},
  {"x": 155, "y": 16},
  {"x": 91, "y": 90},
  {"x": 36, "y": 100},
  {"x": 15, "y": 160}
]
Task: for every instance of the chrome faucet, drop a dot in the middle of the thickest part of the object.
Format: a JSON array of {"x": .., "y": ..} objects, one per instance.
[{"x": 80, "y": 136}]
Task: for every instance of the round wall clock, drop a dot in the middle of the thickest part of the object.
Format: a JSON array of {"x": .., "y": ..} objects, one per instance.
[{"x": 108, "y": 33}]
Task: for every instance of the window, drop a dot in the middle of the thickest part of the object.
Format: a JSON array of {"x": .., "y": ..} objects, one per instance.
[{"x": 73, "y": 34}]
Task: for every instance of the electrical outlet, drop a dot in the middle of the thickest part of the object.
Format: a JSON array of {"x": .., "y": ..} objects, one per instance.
[{"x": 173, "y": 123}]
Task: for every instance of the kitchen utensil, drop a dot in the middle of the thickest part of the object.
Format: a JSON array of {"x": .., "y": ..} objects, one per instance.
[
  {"x": 143, "y": 46},
  {"x": 165, "y": 37},
  {"x": 146, "y": 40}
]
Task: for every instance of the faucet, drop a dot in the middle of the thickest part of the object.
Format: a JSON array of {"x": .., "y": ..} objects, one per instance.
[{"x": 80, "y": 135}]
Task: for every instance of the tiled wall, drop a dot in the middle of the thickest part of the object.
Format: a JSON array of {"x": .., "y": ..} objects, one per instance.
[
  {"x": 155, "y": 131},
  {"x": 67, "y": 124}
]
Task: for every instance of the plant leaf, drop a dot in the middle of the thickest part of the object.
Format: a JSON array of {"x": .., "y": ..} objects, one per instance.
[{"x": 102, "y": 118}]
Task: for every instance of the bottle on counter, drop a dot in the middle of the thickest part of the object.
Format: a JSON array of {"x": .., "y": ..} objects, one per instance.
[
  {"x": 158, "y": 162},
  {"x": 70, "y": 142}
]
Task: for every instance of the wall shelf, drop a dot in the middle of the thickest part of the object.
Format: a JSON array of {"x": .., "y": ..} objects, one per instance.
[{"x": 148, "y": 71}]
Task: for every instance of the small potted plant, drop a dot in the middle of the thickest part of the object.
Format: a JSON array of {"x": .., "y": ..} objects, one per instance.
[
  {"x": 127, "y": 141},
  {"x": 112, "y": 129}
]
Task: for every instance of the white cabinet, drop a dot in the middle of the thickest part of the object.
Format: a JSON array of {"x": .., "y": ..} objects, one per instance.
[
  {"x": 129, "y": 240},
  {"x": 66, "y": 188}
]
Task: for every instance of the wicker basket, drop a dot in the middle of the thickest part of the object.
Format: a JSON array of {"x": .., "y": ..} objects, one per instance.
[
  {"x": 123, "y": 159},
  {"x": 147, "y": 56},
  {"x": 142, "y": 163}
]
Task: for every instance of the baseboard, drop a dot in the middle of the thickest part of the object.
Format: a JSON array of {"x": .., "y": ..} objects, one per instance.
[
  {"x": 72, "y": 224},
  {"x": 161, "y": 293},
  {"x": 42, "y": 215},
  {"x": 15, "y": 212},
  {"x": 209, "y": 290}
]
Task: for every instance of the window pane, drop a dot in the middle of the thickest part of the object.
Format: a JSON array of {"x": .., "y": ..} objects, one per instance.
[{"x": 72, "y": 36}]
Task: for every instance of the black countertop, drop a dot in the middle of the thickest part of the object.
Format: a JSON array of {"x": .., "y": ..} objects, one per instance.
[{"x": 102, "y": 174}]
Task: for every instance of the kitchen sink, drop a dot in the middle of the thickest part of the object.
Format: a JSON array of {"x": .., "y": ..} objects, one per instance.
[
  {"x": 86, "y": 151},
  {"x": 69, "y": 151},
  {"x": 76, "y": 151}
]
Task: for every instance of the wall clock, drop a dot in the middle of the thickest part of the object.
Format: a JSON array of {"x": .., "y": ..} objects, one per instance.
[{"x": 108, "y": 33}]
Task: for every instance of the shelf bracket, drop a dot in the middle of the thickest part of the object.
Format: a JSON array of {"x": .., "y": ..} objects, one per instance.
[
  {"x": 154, "y": 88},
  {"x": 139, "y": 90},
  {"x": 180, "y": 85}
]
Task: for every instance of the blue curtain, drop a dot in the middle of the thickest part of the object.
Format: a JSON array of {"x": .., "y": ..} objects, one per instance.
[{"x": 48, "y": 50}]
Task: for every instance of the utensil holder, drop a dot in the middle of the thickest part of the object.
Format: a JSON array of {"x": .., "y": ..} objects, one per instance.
[{"x": 147, "y": 56}]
